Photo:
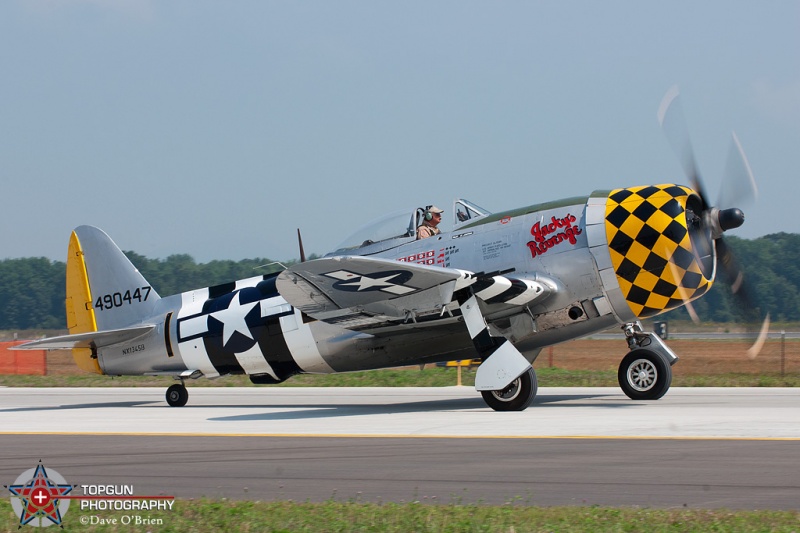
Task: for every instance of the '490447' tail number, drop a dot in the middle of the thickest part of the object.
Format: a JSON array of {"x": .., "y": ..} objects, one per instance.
[{"x": 118, "y": 299}]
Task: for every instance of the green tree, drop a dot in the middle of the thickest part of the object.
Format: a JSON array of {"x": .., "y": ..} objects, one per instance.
[{"x": 32, "y": 293}]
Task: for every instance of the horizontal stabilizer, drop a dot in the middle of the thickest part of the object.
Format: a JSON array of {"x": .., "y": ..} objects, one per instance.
[{"x": 85, "y": 340}]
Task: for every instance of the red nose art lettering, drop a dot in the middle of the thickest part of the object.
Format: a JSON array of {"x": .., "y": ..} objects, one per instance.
[{"x": 546, "y": 236}]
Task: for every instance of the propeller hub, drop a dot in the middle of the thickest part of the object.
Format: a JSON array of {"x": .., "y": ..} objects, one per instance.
[
  {"x": 721, "y": 220},
  {"x": 730, "y": 218}
]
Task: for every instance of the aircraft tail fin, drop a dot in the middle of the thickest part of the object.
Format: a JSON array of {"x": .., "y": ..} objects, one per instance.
[{"x": 104, "y": 290}]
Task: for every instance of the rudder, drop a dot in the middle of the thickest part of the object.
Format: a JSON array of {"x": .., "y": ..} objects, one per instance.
[{"x": 80, "y": 314}]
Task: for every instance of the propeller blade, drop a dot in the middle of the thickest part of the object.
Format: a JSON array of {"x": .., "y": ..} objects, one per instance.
[
  {"x": 755, "y": 349},
  {"x": 673, "y": 123},
  {"x": 676, "y": 277},
  {"x": 300, "y": 242},
  {"x": 727, "y": 261},
  {"x": 745, "y": 302},
  {"x": 739, "y": 187}
]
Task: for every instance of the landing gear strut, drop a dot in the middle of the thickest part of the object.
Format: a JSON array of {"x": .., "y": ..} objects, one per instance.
[
  {"x": 646, "y": 372},
  {"x": 516, "y": 397},
  {"x": 501, "y": 361},
  {"x": 177, "y": 395}
]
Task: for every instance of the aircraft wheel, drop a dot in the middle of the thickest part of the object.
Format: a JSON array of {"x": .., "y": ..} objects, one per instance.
[
  {"x": 177, "y": 395},
  {"x": 644, "y": 375},
  {"x": 516, "y": 397}
]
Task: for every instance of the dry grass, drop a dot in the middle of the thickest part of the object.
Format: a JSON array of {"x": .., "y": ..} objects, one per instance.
[{"x": 697, "y": 357}]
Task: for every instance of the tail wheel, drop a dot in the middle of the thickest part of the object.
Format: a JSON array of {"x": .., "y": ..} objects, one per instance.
[
  {"x": 516, "y": 397},
  {"x": 644, "y": 375},
  {"x": 177, "y": 395}
]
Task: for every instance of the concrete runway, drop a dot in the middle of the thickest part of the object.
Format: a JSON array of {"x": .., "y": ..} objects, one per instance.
[{"x": 706, "y": 448}]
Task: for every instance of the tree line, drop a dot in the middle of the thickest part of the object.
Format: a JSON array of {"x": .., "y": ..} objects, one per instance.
[{"x": 32, "y": 289}]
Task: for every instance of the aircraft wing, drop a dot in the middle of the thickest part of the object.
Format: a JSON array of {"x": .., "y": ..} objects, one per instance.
[
  {"x": 85, "y": 340},
  {"x": 357, "y": 292}
]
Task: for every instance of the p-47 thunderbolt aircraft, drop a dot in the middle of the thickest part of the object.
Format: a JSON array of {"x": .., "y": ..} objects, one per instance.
[{"x": 499, "y": 286}]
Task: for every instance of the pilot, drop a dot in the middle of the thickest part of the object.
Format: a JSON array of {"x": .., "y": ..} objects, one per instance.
[{"x": 430, "y": 221}]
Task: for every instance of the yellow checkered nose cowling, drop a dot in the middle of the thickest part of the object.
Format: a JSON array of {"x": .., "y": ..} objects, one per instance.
[{"x": 651, "y": 248}]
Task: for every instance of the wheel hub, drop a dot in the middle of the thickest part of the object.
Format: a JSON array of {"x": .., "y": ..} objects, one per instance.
[
  {"x": 509, "y": 393},
  {"x": 642, "y": 375}
]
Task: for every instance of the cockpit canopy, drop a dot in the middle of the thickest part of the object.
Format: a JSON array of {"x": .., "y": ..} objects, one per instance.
[
  {"x": 400, "y": 227},
  {"x": 465, "y": 211}
]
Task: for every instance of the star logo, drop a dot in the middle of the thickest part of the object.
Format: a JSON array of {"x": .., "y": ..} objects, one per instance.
[
  {"x": 390, "y": 282},
  {"x": 38, "y": 497},
  {"x": 233, "y": 318}
]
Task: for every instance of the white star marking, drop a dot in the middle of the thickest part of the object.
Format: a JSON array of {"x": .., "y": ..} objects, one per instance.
[
  {"x": 233, "y": 320},
  {"x": 365, "y": 282}
]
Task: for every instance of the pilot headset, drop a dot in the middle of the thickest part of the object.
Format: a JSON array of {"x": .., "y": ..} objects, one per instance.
[{"x": 428, "y": 214}]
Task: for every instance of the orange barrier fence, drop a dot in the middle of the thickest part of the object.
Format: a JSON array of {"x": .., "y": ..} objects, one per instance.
[{"x": 22, "y": 362}]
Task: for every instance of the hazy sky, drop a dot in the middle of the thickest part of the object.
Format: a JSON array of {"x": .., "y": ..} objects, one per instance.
[{"x": 217, "y": 128}]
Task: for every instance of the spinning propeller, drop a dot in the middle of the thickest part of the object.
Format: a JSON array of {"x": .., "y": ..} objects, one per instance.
[{"x": 707, "y": 222}]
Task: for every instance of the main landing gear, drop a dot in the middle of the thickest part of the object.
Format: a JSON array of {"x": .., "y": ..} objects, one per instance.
[
  {"x": 516, "y": 397},
  {"x": 177, "y": 395},
  {"x": 646, "y": 372},
  {"x": 501, "y": 361}
]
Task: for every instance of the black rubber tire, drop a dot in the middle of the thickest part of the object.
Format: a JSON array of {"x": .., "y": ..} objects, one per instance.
[
  {"x": 644, "y": 375},
  {"x": 517, "y": 396},
  {"x": 177, "y": 395}
]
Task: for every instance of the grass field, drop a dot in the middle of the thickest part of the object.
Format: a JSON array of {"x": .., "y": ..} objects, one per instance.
[
  {"x": 225, "y": 516},
  {"x": 406, "y": 377}
]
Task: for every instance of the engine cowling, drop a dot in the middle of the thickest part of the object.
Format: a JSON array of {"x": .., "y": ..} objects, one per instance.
[{"x": 653, "y": 250}]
